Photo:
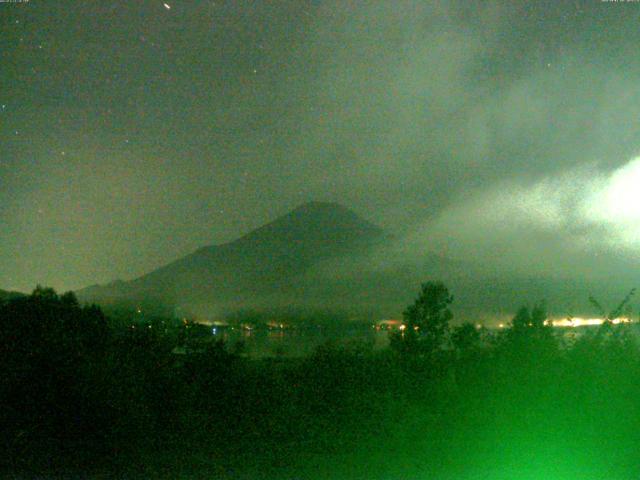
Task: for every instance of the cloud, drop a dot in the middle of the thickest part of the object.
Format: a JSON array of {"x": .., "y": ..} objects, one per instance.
[
  {"x": 579, "y": 224},
  {"x": 488, "y": 131},
  {"x": 614, "y": 204}
]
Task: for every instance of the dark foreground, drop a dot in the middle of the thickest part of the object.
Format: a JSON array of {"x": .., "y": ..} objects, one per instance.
[{"x": 84, "y": 399}]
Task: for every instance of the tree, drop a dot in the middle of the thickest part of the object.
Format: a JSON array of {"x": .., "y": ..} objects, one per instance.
[
  {"x": 530, "y": 335},
  {"x": 49, "y": 353},
  {"x": 527, "y": 322},
  {"x": 466, "y": 338},
  {"x": 427, "y": 320},
  {"x": 521, "y": 320}
]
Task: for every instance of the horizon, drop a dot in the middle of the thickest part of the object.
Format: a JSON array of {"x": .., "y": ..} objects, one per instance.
[
  {"x": 276, "y": 240},
  {"x": 499, "y": 312},
  {"x": 502, "y": 137}
]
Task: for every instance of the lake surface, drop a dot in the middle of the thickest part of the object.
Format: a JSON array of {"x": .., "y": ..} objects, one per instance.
[
  {"x": 291, "y": 342},
  {"x": 298, "y": 343}
]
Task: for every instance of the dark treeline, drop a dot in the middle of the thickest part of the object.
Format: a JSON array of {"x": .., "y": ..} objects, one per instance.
[{"x": 83, "y": 395}]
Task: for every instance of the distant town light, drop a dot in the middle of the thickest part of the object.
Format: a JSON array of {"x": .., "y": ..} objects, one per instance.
[{"x": 586, "y": 322}]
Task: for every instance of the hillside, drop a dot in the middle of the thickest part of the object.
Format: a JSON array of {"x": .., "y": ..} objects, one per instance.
[
  {"x": 6, "y": 295},
  {"x": 265, "y": 267},
  {"x": 325, "y": 257}
]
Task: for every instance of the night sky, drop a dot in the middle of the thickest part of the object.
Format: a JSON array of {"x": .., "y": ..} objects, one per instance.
[{"x": 503, "y": 133}]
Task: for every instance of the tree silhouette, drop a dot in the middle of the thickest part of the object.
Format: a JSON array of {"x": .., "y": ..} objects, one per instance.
[
  {"x": 466, "y": 337},
  {"x": 527, "y": 321},
  {"x": 522, "y": 319},
  {"x": 530, "y": 335},
  {"x": 48, "y": 344},
  {"x": 427, "y": 319}
]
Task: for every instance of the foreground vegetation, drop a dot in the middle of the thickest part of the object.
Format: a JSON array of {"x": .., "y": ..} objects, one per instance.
[{"x": 83, "y": 396}]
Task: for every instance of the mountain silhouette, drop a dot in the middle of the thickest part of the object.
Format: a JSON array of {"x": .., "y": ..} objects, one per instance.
[
  {"x": 265, "y": 267},
  {"x": 323, "y": 256},
  {"x": 6, "y": 295}
]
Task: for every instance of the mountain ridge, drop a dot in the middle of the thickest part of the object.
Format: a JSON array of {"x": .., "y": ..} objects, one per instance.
[
  {"x": 263, "y": 266},
  {"x": 8, "y": 295}
]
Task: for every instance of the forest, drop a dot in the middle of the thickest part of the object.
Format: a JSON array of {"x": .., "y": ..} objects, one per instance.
[{"x": 86, "y": 396}]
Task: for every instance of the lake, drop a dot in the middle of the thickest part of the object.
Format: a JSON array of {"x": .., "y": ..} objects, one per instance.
[{"x": 259, "y": 343}]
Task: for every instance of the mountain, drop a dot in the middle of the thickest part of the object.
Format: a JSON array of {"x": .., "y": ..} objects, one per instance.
[
  {"x": 324, "y": 257},
  {"x": 5, "y": 295},
  {"x": 265, "y": 268}
]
